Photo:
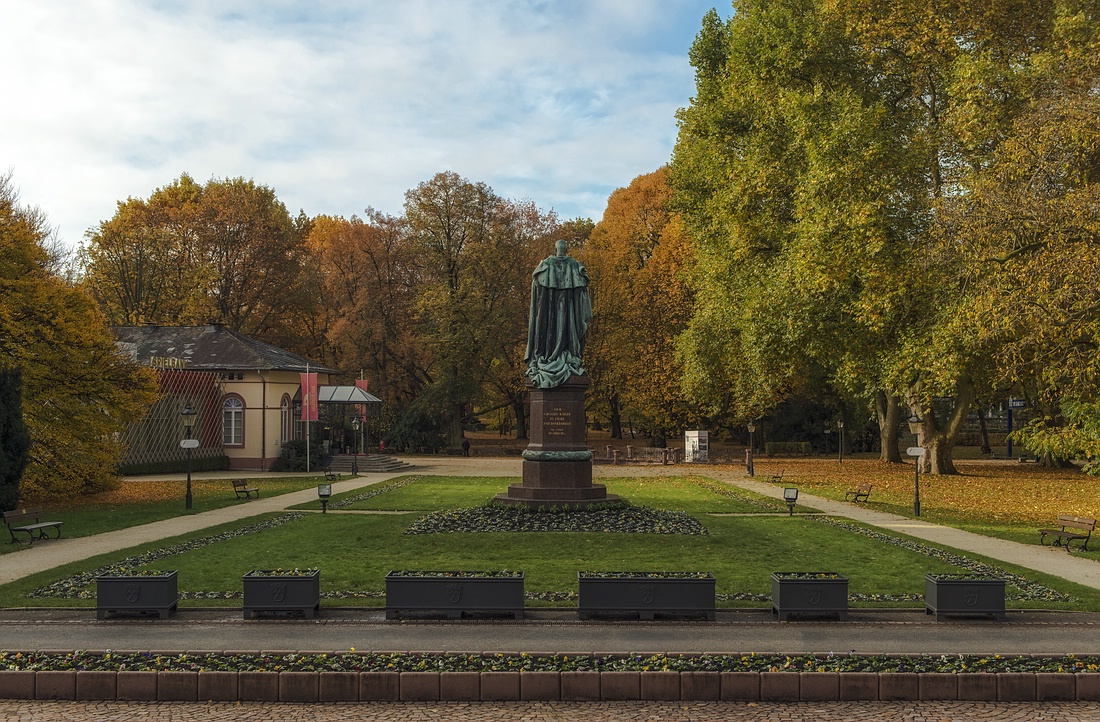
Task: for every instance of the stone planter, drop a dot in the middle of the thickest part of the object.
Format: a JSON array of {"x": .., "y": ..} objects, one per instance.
[
  {"x": 811, "y": 593},
  {"x": 275, "y": 592},
  {"x": 963, "y": 594},
  {"x": 645, "y": 594},
  {"x": 137, "y": 593},
  {"x": 454, "y": 593}
]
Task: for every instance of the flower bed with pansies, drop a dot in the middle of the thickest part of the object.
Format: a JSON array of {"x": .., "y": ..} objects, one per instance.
[
  {"x": 963, "y": 577},
  {"x": 622, "y": 519},
  {"x": 74, "y": 586},
  {"x": 281, "y": 573},
  {"x": 353, "y": 661}
]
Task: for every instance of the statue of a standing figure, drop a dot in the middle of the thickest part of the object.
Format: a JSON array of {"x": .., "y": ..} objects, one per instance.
[{"x": 560, "y": 312}]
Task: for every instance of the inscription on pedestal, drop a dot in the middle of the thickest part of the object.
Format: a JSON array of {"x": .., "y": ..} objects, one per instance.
[{"x": 556, "y": 423}]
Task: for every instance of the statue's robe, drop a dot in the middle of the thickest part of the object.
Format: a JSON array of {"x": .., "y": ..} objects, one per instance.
[{"x": 561, "y": 310}]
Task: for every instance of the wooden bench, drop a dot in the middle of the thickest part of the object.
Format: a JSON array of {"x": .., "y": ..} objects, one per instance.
[
  {"x": 1074, "y": 528},
  {"x": 243, "y": 490},
  {"x": 860, "y": 493},
  {"x": 331, "y": 475},
  {"x": 777, "y": 478},
  {"x": 18, "y": 520}
]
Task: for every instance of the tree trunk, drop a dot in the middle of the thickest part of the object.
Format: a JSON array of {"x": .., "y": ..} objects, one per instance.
[
  {"x": 454, "y": 434},
  {"x": 986, "y": 448},
  {"x": 888, "y": 411},
  {"x": 939, "y": 440},
  {"x": 616, "y": 417},
  {"x": 521, "y": 418}
]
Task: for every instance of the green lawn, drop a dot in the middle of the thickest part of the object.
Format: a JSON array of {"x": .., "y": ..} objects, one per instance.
[
  {"x": 678, "y": 493},
  {"x": 355, "y": 550},
  {"x": 142, "y": 502}
]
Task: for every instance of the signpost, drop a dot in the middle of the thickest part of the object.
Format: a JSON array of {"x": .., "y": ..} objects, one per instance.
[
  {"x": 1013, "y": 403},
  {"x": 918, "y": 453}
]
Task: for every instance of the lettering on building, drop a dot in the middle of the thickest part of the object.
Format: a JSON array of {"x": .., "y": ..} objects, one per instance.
[{"x": 167, "y": 362}]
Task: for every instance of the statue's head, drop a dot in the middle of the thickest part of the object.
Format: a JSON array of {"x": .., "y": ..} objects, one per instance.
[{"x": 562, "y": 247}]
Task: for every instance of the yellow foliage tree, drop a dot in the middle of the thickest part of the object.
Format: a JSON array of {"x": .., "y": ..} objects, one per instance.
[{"x": 79, "y": 390}]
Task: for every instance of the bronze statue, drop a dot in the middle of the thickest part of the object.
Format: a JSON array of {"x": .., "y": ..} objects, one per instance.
[{"x": 560, "y": 312}]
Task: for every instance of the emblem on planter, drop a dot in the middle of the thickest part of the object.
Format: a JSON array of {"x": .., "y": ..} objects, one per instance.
[
  {"x": 815, "y": 593},
  {"x": 137, "y": 591},
  {"x": 648, "y": 593},
  {"x": 965, "y": 593},
  {"x": 296, "y": 590},
  {"x": 454, "y": 593}
]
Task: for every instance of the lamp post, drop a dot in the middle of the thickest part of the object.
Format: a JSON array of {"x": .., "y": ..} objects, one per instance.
[
  {"x": 752, "y": 428},
  {"x": 324, "y": 491},
  {"x": 188, "y": 443},
  {"x": 918, "y": 453},
  {"x": 790, "y": 495},
  {"x": 840, "y": 438},
  {"x": 355, "y": 447}
]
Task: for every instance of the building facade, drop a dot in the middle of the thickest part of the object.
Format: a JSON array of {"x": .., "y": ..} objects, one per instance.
[{"x": 246, "y": 394}]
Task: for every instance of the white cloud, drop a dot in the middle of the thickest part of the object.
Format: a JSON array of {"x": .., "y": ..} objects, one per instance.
[{"x": 338, "y": 106}]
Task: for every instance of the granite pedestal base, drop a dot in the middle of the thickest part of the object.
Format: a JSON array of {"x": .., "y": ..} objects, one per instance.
[{"x": 557, "y": 465}]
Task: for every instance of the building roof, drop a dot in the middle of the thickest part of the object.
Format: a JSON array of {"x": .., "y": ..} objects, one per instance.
[
  {"x": 345, "y": 395},
  {"x": 207, "y": 348}
]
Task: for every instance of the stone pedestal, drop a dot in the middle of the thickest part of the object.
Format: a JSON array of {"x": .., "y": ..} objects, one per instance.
[{"x": 557, "y": 465}]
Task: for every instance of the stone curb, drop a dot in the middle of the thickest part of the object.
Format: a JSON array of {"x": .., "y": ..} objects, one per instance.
[{"x": 543, "y": 686}]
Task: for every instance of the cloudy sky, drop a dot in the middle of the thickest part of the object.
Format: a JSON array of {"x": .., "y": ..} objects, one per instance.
[{"x": 339, "y": 105}]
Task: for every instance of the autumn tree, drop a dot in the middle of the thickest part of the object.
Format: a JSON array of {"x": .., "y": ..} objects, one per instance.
[
  {"x": 367, "y": 278},
  {"x": 525, "y": 235},
  {"x": 15, "y": 442},
  {"x": 225, "y": 252},
  {"x": 474, "y": 254},
  {"x": 1030, "y": 232},
  {"x": 637, "y": 256},
  {"x": 79, "y": 391}
]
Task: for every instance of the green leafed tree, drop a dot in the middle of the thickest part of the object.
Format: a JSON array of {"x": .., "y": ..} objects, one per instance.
[{"x": 818, "y": 169}]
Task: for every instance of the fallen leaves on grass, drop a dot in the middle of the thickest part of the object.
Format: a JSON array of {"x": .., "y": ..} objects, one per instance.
[{"x": 987, "y": 491}]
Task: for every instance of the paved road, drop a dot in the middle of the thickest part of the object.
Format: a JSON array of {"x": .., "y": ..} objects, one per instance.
[
  {"x": 869, "y": 632},
  {"x": 12, "y": 711}
]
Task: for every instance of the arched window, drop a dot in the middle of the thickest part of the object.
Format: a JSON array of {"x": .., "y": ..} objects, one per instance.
[
  {"x": 284, "y": 420},
  {"x": 233, "y": 421}
]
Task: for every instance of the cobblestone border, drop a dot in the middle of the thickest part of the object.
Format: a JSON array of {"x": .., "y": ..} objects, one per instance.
[{"x": 543, "y": 686}]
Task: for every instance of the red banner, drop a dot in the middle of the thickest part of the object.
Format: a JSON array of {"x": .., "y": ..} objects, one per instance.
[
  {"x": 361, "y": 409},
  {"x": 309, "y": 397}
]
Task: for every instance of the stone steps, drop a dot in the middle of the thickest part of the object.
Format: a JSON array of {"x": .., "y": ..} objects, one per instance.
[{"x": 368, "y": 463}]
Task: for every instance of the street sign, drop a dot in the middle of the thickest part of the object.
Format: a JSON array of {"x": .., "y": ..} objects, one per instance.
[
  {"x": 1017, "y": 403},
  {"x": 915, "y": 451},
  {"x": 189, "y": 444}
]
